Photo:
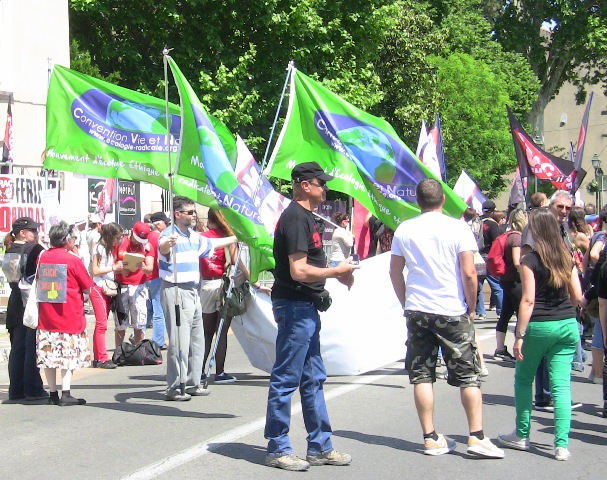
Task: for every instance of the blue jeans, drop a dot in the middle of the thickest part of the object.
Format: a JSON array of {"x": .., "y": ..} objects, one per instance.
[
  {"x": 496, "y": 293},
  {"x": 579, "y": 358},
  {"x": 156, "y": 312},
  {"x": 480, "y": 300},
  {"x": 24, "y": 375},
  {"x": 298, "y": 364},
  {"x": 542, "y": 384}
]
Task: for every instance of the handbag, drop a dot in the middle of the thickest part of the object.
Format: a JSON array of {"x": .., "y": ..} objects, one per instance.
[
  {"x": 109, "y": 287},
  {"x": 30, "y": 313},
  {"x": 237, "y": 301},
  {"x": 146, "y": 353}
]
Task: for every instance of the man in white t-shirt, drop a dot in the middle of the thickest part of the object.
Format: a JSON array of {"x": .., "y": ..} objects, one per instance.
[{"x": 439, "y": 298}]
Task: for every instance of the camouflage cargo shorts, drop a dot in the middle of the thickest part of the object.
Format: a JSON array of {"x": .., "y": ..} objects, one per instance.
[{"x": 455, "y": 336}]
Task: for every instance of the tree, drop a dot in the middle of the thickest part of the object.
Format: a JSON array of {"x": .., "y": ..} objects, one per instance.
[
  {"x": 235, "y": 53},
  {"x": 408, "y": 78},
  {"x": 472, "y": 108},
  {"x": 563, "y": 41},
  {"x": 470, "y": 125}
]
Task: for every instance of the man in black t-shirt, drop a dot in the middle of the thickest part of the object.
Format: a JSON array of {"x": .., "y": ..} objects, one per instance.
[{"x": 297, "y": 295}]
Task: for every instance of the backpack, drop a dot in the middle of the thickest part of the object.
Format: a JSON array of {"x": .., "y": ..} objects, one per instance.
[
  {"x": 476, "y": 225},
  {"x": 496, "y": 263}
]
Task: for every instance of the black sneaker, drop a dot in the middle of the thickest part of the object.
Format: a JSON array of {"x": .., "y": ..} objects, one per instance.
[
  {"x": 605, "y": 410},
  {"x": 545, "y": 406},
  {"x": 108, "y": 365},
  {"x": 224, "y": 378},
  {"x": 504, "y": 354}
]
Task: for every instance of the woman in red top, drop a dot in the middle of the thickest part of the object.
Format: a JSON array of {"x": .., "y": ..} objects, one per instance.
[
  {"x": 62, "y": 341},
  {"x": 211, "y": 271}
]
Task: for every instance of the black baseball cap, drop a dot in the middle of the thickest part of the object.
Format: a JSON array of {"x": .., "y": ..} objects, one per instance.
[
  {"x": 160, "y": 217},
  {"x": 24, "y": 223},
  {"x": 309, "y": 171},
  {"x": 489, "y": 205}
]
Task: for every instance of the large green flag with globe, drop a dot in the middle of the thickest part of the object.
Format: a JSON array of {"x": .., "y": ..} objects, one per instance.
[
  {"x": 97, "y": 128},
  {"x": 363, "y": 152}
]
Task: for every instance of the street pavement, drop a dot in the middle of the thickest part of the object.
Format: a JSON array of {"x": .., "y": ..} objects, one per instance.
[{"x": 128, "y": 431}]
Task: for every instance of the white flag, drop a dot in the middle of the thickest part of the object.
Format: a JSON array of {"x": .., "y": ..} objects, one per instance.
[{"x": 468, "y": 191}]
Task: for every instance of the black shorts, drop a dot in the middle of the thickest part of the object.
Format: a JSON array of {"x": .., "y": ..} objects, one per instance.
[{"x": 455, "y": 336}]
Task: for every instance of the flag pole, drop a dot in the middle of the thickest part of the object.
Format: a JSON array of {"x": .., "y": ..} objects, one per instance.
[
  {"x": 180, "y": 356},
  {"x": 223, "y": 312},
  {"x": 290, "y": 68}
]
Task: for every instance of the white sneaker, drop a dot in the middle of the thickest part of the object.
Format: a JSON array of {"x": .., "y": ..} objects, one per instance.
[
  {"x": 439, "y": 447},
  {"x": 483, "y": 448},
  {"x": 512, "y": 440},
  {"x": 562, "y": 454}
]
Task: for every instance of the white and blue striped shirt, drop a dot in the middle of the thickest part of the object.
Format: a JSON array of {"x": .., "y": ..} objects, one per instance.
[{"x": 189, "y": 248}]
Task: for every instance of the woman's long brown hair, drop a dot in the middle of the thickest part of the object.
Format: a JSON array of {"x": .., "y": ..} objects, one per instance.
[{"x": 549, "y": 245}]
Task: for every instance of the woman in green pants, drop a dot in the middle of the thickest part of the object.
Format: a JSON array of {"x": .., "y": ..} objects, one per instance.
[{"x": 546, "y": 327}]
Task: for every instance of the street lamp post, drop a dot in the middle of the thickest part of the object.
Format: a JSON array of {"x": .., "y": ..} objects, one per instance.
[{"x": 599, "y": 178}]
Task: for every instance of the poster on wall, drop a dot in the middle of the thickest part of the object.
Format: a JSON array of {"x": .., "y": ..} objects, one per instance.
[
  {"x": 95, "y": 187},
  {"x": 328, "y": 209},
  {"x": 21, "y": 196},
  {"x": 129, "y": 203}
]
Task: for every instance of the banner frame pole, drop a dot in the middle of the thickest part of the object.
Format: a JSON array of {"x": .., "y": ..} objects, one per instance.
[{"x": 165, "y": 56}]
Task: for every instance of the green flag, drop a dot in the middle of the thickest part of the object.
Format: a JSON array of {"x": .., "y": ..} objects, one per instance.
[
  {"x": 203, "y": 156},
  {"x": 96, "y": 128},
  {"x": 364, "y": 154}
]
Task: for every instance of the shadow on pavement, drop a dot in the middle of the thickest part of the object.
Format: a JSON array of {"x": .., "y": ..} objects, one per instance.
[{"x": 240, "y": 451}]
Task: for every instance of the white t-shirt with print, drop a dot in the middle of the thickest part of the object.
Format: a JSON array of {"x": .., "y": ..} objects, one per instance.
[
  {"x": 106, "y": 261},
  {"x": 430, "y": 245}
]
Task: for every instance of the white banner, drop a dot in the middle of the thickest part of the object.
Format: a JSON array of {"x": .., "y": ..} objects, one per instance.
[{"x": 363, "y": 330}]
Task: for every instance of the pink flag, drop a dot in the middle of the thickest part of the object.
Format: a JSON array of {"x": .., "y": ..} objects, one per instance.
[{"x": 106, "y": 198}]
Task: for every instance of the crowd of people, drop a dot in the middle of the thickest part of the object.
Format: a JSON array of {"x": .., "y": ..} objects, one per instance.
[
  {"x": 128, "y": 278},
  {"x": 554, "y": 282},
  {"x": 167, "y": 275}
]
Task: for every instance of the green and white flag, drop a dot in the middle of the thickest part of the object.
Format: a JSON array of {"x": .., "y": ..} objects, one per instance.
[
  {"x": 363, "y": 152},
  {"x": 96, "y": 128},
  {"x": 203, "y": 155}
]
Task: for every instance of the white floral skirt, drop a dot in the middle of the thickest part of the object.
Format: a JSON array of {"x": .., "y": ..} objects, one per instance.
[{"x": 62, "y": 350}]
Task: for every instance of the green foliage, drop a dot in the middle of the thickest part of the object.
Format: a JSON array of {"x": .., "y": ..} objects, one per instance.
[
  {"x": 575, "y": 50},
  {"x": 235, "y": 53},
  {"x": 384, "y": 56},
  {"x": 407, "y": 77},
  {"x": 80, "y": 60},
  {"x": 476, "y": 132}
]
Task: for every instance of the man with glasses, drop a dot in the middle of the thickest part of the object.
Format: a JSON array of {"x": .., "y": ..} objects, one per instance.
[
  {"x": 181, "y": 290},
  {"x": 297, "y": 296}
]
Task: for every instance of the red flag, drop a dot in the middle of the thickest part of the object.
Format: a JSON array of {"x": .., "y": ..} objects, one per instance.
[
  {"x": 533, "y": 161},
  {"x": 7, "y": 150}
]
